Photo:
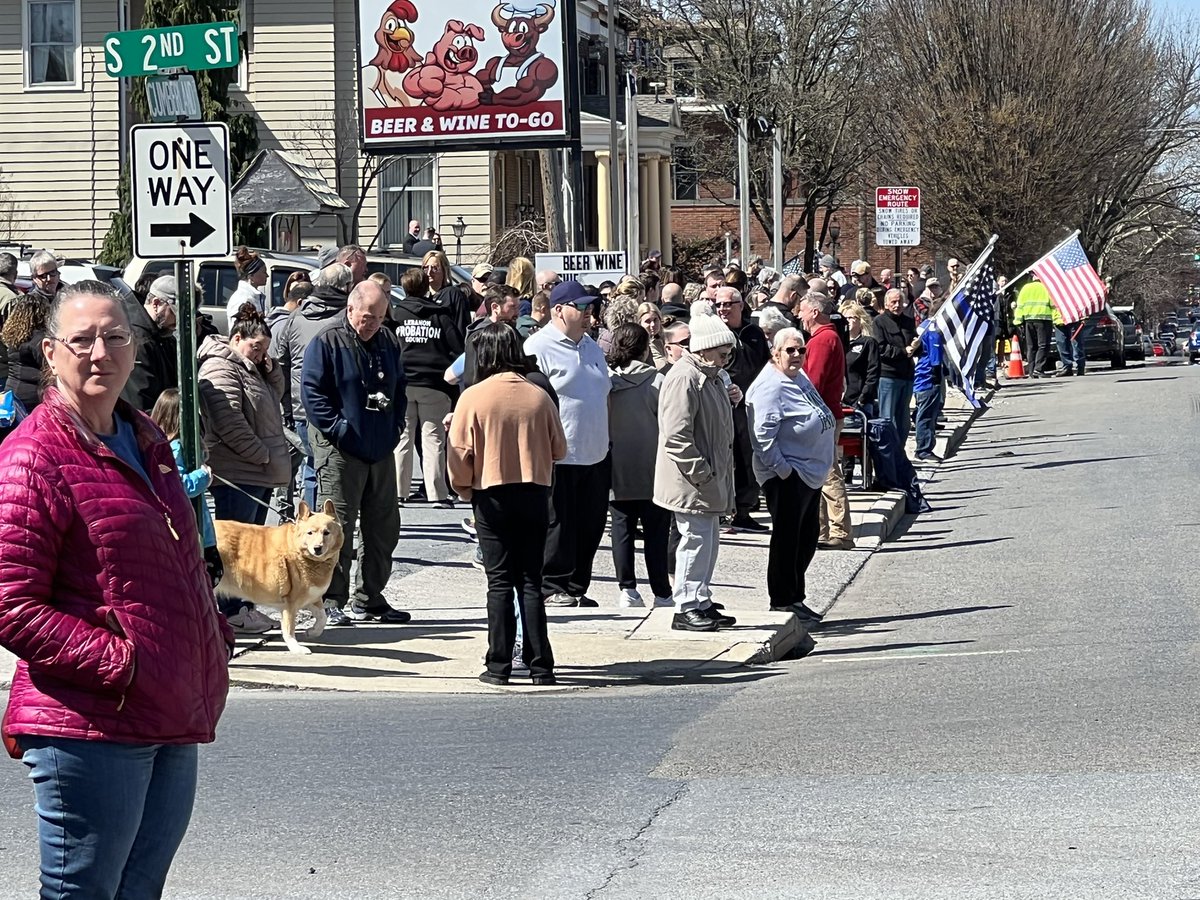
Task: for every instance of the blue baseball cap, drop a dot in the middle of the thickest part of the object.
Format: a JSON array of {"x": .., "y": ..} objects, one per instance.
[{"x": 569, "y": 292}]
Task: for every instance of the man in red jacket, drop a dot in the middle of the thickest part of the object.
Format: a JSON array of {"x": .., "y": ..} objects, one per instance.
[{"x": 825, "y": 366}]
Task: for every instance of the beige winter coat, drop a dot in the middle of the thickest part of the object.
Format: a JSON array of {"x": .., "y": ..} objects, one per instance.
[
  {"x": 243, "y": 421},
  {"x": 693, "y": 472}
]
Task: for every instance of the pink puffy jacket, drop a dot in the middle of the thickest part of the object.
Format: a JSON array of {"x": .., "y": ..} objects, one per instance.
[{"x": 104, "y": 598}]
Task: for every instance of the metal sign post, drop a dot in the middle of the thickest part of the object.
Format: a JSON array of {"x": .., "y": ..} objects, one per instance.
[{"x": 189, "y": 400}]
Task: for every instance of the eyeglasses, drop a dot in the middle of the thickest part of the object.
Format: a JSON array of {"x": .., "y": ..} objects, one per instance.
[
  {"x": 684, "y": 343},
  {"x": 45, "y": 275},
  {"x": 729, "y": 305},
  {"x": 551, "y": 284},
  {"x": 582, "y": 307},
  {"x": 82, "y": 344},
  {"x": 794, "y": 351}
]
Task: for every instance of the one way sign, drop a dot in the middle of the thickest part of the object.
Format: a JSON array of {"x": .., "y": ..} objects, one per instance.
[{"x": 180, "y": 182}]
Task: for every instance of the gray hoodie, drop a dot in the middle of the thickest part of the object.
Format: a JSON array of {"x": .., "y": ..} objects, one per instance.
[
  {"x": 290, "y": 339},
  {"x": 633, "y": 430}
]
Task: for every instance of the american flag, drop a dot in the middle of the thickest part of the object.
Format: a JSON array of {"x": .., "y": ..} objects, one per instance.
[
  {"x": 964, "y": 320},
  {"x": 1073, "y": 284}
]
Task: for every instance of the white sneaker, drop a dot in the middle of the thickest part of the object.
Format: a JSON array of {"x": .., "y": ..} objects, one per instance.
[
  {"x": 518, "y": 662},
  {"x": 629, "y": 598},
  {"x": 664, "y": 601},
  {"x": 250, "y": 621}
]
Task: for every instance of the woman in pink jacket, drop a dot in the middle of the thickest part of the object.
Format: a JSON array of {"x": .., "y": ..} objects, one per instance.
[{"x": 105, "y": 601}]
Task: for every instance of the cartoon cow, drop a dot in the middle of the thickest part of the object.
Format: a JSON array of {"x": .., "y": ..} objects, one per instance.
[
  {"x": 383, "y": 77},
  {"x": 525, "y": 74},
  {"x": 444, "y": 81}
]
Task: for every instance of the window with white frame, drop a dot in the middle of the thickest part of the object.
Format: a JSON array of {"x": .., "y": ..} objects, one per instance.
[
  {"x": 405, "y": 194},
  {"x": 52, "y": 43}
]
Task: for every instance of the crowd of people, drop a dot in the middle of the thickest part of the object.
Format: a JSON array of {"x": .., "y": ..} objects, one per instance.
[{"x": 673, "y": 409}]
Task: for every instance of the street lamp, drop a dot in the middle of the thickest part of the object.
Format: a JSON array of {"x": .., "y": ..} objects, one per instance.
[
  {"x": 459, "y": 228},
  {"x": 835, "y": 232}
]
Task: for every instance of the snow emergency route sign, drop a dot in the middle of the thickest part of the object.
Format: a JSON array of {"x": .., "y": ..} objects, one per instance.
[
  {"x": 180, "y": 186},
  {"x": 897, "y": 216}
]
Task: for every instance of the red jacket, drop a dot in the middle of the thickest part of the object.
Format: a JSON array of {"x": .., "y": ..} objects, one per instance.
[
  {"x": 104, "y": 598},
  {"x": 825, "y": 366}
]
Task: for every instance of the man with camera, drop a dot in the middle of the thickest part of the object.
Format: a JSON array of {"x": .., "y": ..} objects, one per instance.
[{"x": 352, "y": 388}]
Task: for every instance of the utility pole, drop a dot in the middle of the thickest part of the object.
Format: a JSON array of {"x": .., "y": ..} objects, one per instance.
[
  {"x": 614, "y": 188},
  {"x": 777, "y": 196},
  {"x": 633, "y": 216},
  {"x": 743, "y": 126}
]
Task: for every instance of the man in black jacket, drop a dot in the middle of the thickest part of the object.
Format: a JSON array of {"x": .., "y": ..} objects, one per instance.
[
  {"x": 352, "y": 388},
  {"x": 896, "y": 332},
  {"x": 750, "y": 354},
  {"x": 153, "y": 324},
  {"x": 429, "y": 336}
]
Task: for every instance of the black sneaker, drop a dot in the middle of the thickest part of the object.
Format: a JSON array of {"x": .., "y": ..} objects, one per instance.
[
  {"x": 544, "y": 680},
  {"x": 385, "y": 614},
  {"x": 745, "y": 523},
  {"x": 587, "y": 601},
  {"x": 804, "y": 612},
  {"x": 336, "y": 616},
  {"x": 692, "y": 620},
  {"x": 719, "y": 617},
  {"x": 493, "y": 679}
]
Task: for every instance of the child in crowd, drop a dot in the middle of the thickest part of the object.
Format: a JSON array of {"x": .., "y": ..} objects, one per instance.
[{"x": 166, "y": 415}]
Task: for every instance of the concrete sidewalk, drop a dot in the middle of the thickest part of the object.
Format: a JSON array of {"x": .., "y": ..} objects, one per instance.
[{"x": 442, "y": 649}]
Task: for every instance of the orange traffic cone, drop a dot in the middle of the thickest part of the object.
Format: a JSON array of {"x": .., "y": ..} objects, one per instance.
[{"x": 1016, "y": 365}]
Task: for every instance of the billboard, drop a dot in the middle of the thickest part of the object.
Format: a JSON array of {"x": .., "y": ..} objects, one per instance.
[{"x": 478, "y": 73}]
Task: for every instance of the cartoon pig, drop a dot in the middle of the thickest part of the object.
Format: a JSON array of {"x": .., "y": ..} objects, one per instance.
[{"x": 444, "y": 81}]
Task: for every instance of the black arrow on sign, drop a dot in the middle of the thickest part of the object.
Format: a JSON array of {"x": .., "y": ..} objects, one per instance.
[{"x": 196, "y": 229}]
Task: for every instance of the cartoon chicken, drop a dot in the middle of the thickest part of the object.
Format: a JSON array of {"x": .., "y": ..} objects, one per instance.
[{"x": 383, "y": 79}]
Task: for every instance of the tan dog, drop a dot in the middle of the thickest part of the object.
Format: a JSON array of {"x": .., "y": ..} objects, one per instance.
[{"x": 286, "y": 567}]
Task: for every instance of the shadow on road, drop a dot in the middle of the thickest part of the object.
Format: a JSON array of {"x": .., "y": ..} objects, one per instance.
[
  {"x": 847, "y": 651},
  {"x": 1079, "y": 462}
]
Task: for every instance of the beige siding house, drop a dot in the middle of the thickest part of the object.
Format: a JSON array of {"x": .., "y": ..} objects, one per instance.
[{"x": 60, "y": 155}]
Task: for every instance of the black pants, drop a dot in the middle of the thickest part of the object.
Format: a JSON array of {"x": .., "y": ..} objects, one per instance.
[
  {"x": 1037, "y": 336},
  {"x": 511, "y": 521},
  {"x": 795, "y": 526},
  {"x": 745, "y": 486},
  {"x": 578, "y": 510},
  {"x": 656, "y": 525}
]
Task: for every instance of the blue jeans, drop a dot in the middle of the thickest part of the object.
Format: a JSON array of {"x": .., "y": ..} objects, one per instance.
[
  {"x": 110, "y": 816},
  {"x": 308, "y": 474},
  {"x": 895, "y": 397},
  {"x": 1064, "y": 345},
  {"x": 985, "y": 366},
  {"x": 929, "y": 407}
]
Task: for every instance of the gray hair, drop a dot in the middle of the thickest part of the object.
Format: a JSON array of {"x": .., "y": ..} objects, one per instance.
[
  {"x": 818, "y": 301},
  {"x": 787, "y": 334},
  {"x": 897, "y": 292},
  {"x": 675, "y": 329},
  {"x": 88, "y": 288},
  {"x": 334, "y": 276},
  {"x": 41, "y": 258},
  {"x": 8, "y": 266},
  {"x": 771, "y": 320},
  {"x": 731, "y": 292}
]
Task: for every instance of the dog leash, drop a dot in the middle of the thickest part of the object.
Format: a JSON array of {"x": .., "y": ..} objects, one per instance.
[{"x": 279, "y": 512}]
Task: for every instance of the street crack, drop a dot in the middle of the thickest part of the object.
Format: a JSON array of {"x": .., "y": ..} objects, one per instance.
[{"x": 633, "y": 848}]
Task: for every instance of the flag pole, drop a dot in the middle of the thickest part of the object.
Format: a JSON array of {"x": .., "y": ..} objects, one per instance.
[{"x": 1028, "y": 269}]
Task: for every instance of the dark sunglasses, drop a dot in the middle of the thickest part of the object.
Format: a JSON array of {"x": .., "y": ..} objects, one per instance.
[{"x": 794, "y": 351}]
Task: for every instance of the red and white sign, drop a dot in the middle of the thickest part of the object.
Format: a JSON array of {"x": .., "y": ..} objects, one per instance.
[
  {"x": 897, "y": 216},
  {"x": 480, "y": 73}
]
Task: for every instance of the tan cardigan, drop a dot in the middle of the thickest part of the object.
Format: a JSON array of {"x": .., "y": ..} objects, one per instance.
[{"x": 504, "y": 431}]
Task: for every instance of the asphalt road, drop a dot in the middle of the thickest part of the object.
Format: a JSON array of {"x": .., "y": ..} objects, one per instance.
[{"x": 1003, "y": 704}]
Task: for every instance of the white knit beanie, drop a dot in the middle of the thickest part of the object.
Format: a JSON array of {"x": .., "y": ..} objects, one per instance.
[{"x": 707, "y": 330}]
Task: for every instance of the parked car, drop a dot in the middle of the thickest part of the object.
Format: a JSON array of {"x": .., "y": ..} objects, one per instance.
[
  {"x": 218, "y": 278},
  {"x": 1107, "y": 340},
  {"x": 1133, "y": 342},
  {"x": 1158, "y": 348},
  {"x": 1191, "y": 346}
]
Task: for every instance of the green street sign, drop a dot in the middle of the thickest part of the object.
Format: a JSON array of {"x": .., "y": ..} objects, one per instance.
[{"x": 194, "y": 47}]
